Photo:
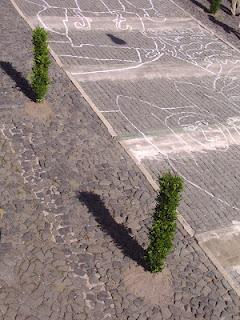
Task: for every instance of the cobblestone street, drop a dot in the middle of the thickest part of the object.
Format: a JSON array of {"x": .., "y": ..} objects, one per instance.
[{"x": 75, "y": 208}]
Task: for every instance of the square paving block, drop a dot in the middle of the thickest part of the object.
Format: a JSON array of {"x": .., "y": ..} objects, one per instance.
[{"x": 223, "y": 247}]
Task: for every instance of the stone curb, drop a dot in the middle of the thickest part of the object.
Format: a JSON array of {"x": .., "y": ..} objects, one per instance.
[{"x": 155, "y": 187}]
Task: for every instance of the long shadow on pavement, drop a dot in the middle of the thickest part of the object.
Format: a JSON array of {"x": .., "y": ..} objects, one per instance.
[
  {"x": 200, "y": 5},
  {"x": 119, "y": 233},
  {"x": 17, "y": 77},
  {"x": 207, "y": 9},
  {"x": 225, "y": 27}
]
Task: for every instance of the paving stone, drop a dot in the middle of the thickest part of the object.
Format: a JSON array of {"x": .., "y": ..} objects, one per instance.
[{"x": 75, "y": 145}]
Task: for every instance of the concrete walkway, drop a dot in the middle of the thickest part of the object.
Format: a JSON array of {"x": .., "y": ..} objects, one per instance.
[{"x": 74, "y": 207}]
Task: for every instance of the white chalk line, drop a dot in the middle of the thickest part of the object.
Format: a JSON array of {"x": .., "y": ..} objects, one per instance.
[{"x": 165, "y": 155}]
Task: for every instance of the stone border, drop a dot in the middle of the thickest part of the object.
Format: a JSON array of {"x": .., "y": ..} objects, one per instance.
[
  {"x": 142, "y": 168},
  {"x": 155, "y": 187},
  {"x": 75, "y": 83}
]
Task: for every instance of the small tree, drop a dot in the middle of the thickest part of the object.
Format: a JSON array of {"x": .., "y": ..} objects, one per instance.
[
  {"x": 215, "y": 5},
  {"x": 163, "y": 230},
  {"x": 40, "y": 78}
]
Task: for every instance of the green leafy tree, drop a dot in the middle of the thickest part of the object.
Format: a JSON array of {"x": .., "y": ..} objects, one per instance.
[
  {"x": 39, "y": 77},
  {"x": 163, "y": 229},
  {"x": 215, "y": 5}
]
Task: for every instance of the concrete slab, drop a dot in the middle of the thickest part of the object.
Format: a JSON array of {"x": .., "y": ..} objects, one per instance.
[{"x": 222, "y": 246}]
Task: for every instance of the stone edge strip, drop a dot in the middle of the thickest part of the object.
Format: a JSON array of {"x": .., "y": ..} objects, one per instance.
[
  {"x": 155, "y": 187},
  {"x": 142, "y": 168},
  {"x": 76, "y": 84}
]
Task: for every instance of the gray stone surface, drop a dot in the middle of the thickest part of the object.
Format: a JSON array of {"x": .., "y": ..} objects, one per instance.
[
  {"x": 156, "y": 74},
  {"x": 222, "y": 246},
  {"x": 75, "y": 212},
  {"x": 223, "y": 23}
]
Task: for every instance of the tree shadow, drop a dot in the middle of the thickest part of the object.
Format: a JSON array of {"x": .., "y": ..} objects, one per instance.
[
  {"x": 119, "y": 233},
  {"x": 226, "y": 10},
  {"x": 116, "y": 39},
  {"x": 225, "y": 27},
  {"x": 207, "y": 10},
  {"x": 200, "y": 5},
  {"x": 18, "y": 78}
]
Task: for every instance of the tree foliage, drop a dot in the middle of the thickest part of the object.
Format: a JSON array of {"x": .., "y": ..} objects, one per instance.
[
  {"x": 215, "y": 5},
  {"x": 163, "y": 229},
  {"x": 40, "y": 78}
]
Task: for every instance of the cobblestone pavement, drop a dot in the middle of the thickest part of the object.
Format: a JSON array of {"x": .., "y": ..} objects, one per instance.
[
  {"x": 61, "y": 173},
  {"x": 166, "y": 87},
  {"x": 223, "y": 23},
  {"x": 182, "y": 112}
]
